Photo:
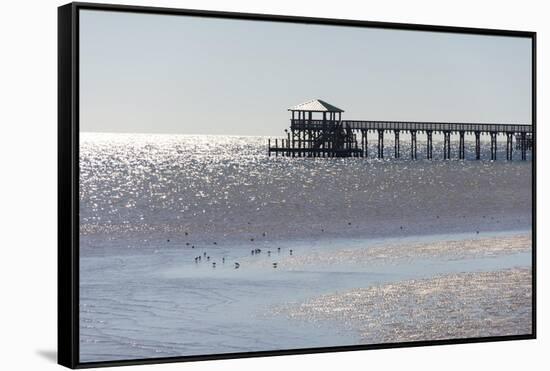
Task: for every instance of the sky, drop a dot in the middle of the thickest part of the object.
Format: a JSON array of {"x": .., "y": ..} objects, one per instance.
[{"x": 145, "y": 73}]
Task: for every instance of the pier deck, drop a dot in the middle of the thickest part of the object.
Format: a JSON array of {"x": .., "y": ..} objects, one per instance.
[{"x": 330, "y": 136}]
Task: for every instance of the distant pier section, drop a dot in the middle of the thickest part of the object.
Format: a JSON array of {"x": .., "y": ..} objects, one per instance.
[{"x": 327, "y": 135}]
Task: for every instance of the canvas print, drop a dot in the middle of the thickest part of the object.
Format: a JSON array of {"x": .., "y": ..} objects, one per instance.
[{"x": 256, "y": 185}]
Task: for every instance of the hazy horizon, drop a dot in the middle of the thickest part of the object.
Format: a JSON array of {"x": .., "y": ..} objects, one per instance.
[{"x": 145, "y": 73}]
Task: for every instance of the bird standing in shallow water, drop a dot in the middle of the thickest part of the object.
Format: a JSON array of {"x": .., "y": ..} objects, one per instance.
[{"x": 237, "y": 265}]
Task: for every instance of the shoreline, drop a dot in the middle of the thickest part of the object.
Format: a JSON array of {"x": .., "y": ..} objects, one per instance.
[{"x": 434, "y": 247}]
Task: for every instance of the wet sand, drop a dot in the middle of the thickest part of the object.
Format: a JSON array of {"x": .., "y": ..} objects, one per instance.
[
  {"x": 460, "y": 305},
  {"x": 487, "y": 301}
]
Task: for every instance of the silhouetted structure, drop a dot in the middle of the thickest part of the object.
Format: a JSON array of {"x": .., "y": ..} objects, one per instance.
[{"x": 327, "y": 135}]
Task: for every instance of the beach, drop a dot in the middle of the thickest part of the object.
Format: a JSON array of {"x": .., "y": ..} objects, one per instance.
[
  {"x": 461, "y": 305},
  {"x": 308, "y": 252},
  {"x": 479, "y": 303}
]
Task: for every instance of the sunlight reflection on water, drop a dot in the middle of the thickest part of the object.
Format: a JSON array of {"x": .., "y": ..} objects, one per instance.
[{"x": 227, "y": 187}]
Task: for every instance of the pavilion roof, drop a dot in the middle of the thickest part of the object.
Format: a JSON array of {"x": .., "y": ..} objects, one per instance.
[{"x": 315, "y": 105}]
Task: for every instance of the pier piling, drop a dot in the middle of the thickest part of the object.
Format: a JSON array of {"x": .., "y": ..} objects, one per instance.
[
  {"x": 478, "y": 145},
  {"x": 446, "y": 145},
  {"x": 523, "y": 146},
  {"x": 493, "y": 145},
  {"x": 396, "y": 144},
  {"x": 429, "y": 145},
  {"x": 380, "y": 143},
  {"x": 509, "y": 146},
  {"x": 461, "y": 145},
  {"x": 413, "y": 144}
]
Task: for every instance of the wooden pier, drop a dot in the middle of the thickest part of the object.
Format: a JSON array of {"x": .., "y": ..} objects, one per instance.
[{"x": 330, "y": 136}]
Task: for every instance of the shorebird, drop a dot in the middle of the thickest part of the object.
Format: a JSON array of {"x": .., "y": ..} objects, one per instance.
[
  {"x": 290, "y": 251},
  {"x": 268, "y": 252},
  {"x": 237, "y": 265},
  {"x": 204, "y": 254},
  {"x": 214, "y": 265},
  {"x": 278, "y": 249},
  {"x": 274, "y": 265},
  {"x": 223, "y": 260},
  {"x": 207, "y": 258}
]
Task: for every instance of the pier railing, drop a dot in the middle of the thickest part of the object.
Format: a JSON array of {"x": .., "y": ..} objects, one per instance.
[{"x": 411, "y": 125}]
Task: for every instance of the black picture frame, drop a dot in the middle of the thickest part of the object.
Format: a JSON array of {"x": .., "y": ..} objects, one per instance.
[{"x": 68, "y": 177}]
